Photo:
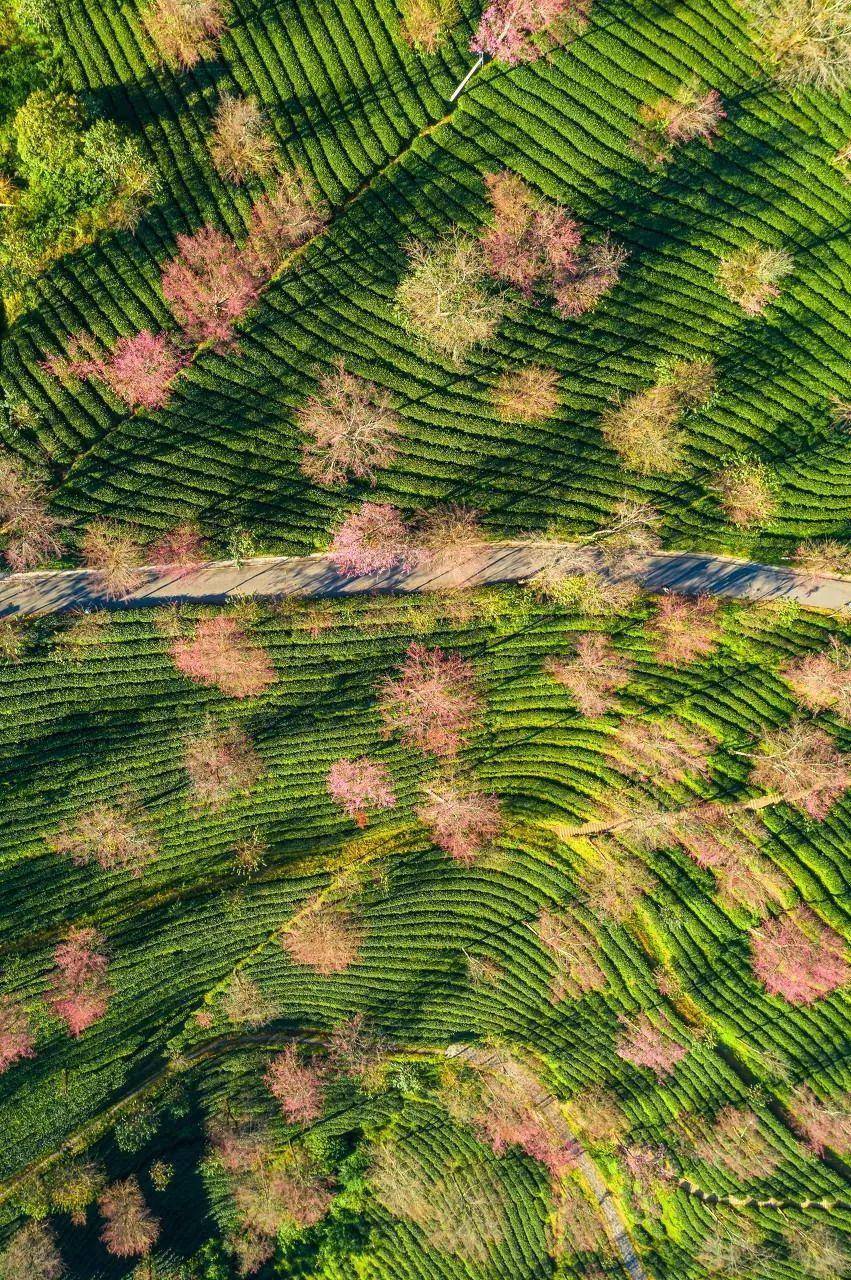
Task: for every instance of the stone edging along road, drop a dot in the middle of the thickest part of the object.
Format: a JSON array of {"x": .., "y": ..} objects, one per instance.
[{"x": 217, "y": 581}]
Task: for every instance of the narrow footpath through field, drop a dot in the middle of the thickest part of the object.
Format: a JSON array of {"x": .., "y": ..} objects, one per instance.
[{"x": 217, "y": 581}]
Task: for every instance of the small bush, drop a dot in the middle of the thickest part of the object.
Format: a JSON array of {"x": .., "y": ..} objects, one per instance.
[
  {"x": 433, "y": 703},
  {"x": 373, "y": 539},
  {"x": 528, "y": 394},
  {"x": 74, "y": 1185},
  {"x": 107, "y": 835},
  {"x": 31, "y": 1254},
  {"x": 444, "y": 298},
  {"x": 751, "y": 276},
  {"x": 747, "y": 493},
  {"x": 244, "y": 1004},
  {"x": 115, "y": 554},
  {"x": 802, "y": 765},
  {"x": 242, "y": 146},
  {"x": 350, "y": 425},
  {"x": 598, "y": 1118},
  {"x": 185, "y": 32},
  {"x": 799, "y": 957},
  {"x": 461, "y": 822},
  {"x": 221, "y": 765},
  {"x": 824, "y": 557},
  {"x": 671, "y": 122},
  {"x": 219, "y": 654},
  {"x": 593, "y": 676},
  {"x": 360, "y": 785},
  {"x": 426, "y": 23},
  {"x": 587, "y": 593},
  {"x": 209, "y": 286},
  {"x": 325, "y": 938},
  {"x": 446, "y": 535},
  {"x": 129, "y": 1229}
]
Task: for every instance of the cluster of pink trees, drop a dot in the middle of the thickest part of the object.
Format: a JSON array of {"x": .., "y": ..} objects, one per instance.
[
  {"x": 510, "y": 1113},
  {"x": 822, "y": 681},
  {"x": 272, "y": 1191},
  {"x": 646, "y": 1044},
  {"x": 516, "y": 31},
  {"x": 360, "y": 785},
  {"x": 799, "y": 957},
  {"x": 685, "y": 629},
  {"x": 375, "y": 539},
  {"x": 78, "y": 993},
  {"x": 139, "y": 370},
  {"x": 80, "y": 987},
  {"x": 209, "y": 286},
  {"x": 537, "y": 247},
  {"x": 220, "y": 654}
]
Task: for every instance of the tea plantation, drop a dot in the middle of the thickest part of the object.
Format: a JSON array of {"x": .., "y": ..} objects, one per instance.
[
  {"x": 448, "y": 953},
  {"x": 498, "y": 934}
]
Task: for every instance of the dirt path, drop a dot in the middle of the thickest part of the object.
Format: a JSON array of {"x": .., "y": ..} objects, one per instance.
[
  {"x": 217, "y": 581},
  {"x": 613, "y": 1218}
]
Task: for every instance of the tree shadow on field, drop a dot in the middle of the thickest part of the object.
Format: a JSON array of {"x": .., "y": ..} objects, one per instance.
[{"x": 182, "y": 1207}]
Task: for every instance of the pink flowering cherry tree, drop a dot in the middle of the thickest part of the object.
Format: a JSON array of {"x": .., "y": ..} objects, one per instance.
[{"x": 360, "y": 785}]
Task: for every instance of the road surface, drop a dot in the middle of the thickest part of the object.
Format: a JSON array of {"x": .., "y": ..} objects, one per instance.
[{"x": 217, "y": 581}]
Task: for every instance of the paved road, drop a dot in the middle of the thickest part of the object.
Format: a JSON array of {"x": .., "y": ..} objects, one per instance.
[{"x": 217, "y": 581}]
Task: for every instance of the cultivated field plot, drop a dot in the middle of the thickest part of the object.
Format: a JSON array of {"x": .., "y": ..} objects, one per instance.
[
  {"x": 369, "y": 120},
  {"x": 625, "y": 932}
]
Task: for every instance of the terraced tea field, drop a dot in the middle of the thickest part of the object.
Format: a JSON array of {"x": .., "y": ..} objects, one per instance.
[{"x": 447, "y": 952}]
